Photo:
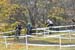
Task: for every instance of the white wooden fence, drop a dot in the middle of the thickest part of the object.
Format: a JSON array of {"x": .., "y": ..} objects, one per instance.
[{"x": 46, "y": 30}]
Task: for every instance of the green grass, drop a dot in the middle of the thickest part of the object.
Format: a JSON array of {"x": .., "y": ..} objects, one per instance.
[{"x": 23, "y": 47}]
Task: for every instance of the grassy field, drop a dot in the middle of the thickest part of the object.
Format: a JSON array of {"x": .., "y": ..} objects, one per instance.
[{"x": 22, "y": 47}]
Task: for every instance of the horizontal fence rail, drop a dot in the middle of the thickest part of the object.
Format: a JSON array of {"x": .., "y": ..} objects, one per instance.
[{"x": 53, "y": 27}]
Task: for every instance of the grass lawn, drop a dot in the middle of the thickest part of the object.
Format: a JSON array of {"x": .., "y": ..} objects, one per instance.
[{"x": 22, "y": 47}]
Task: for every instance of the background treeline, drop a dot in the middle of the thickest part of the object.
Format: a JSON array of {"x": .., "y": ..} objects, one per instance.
[{"x": 36, "y": 12}]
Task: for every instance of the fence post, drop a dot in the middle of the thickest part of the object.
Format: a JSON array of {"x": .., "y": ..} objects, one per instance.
[
  {"x": 70, "y": 37},
  {"x": 44, "y": 33},
  {"x": 36, "y": 32},
  {"x": 5, "y": 41},
  {"x": 60, "y": 41},
  {"x": 48, "y": 31},
  {"x": 26, "y": 43}
]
